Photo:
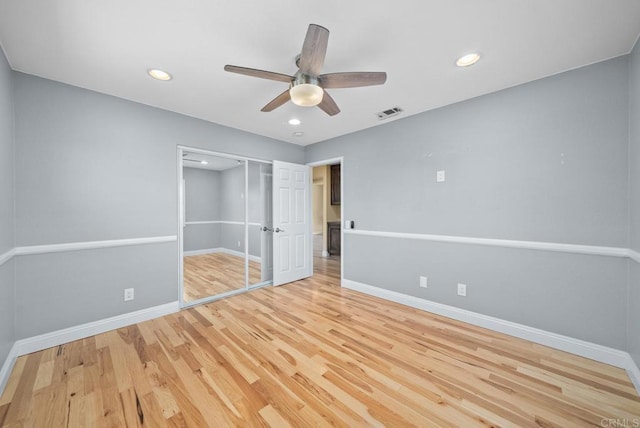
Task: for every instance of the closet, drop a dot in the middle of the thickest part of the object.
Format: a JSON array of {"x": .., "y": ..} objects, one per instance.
[{"x": 226, "y": 236}]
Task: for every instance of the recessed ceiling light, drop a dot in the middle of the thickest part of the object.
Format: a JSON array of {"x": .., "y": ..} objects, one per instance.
[
  {"x": 294, "y": 121},
  {"x": 298, "y": 134},
  {"x": 204, "y": 162},
  {"x": 468, "y": 59},
  {"x": 159, "y": 74}
]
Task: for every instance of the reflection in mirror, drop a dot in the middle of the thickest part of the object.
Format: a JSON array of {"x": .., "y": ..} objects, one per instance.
[
  {"x": 260, "y": 223},
  {"x": 213, "y": 229}
]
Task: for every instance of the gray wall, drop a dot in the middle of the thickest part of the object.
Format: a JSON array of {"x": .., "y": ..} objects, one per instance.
[
  {"x": 201, "y": 236},
  {"x": 233, "y": 205},
  {"x": 232, "y": 194},
  {"x": 76, "y": 287},
  {"x": 544, "y": 161},
  {"x": 633, "y": 327},
  {"x": 202, "y": 194},
  {"x": 255, "y": 209},
  {"x": 634, "y": 147},
  {"x": 202, "y": 199},
  {"x": 219, "y": 195},
  {"x": 559, "y": 292},
  {"x": 95, "y": 167},
  {"x": 7, "y": 239}
]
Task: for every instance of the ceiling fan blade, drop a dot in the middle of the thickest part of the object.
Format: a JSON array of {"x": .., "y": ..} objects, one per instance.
[
  {"x": 314, "y": 50},
  {"x": 352, "y": 79},
  {"x": 277, "y": 101},
  {"x": 328, "y": 105},
  {"x": 254, "y": 72}
]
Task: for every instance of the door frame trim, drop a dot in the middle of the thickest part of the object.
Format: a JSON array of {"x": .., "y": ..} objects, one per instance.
[{"x": 333, "y": 161}]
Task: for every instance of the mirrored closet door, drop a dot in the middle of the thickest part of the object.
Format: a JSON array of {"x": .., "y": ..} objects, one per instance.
[
  {"x": 260, "y": 223},
  {"x": 226, "y": 232}
]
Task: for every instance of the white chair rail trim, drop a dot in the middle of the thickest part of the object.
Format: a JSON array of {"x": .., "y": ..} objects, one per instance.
[
  {"x": 507, "y": 243},
  {"x": 91, "y": 245},
  {"x": 241, "y": 223},
  {"x": 5, "y": 257}
]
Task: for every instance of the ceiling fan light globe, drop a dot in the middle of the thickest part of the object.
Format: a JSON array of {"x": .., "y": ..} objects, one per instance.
[{"x": 306, "y": 94}]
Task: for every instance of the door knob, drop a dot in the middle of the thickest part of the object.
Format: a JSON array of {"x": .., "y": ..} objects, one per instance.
[
  {"x": 278, "y": 230},
  {"x": 266, "y": 229}
]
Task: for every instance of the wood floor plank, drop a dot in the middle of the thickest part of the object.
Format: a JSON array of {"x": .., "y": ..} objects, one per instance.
[
  {"x": 273, "y": 418},
  {"x": 12, "y": 383},
  {"x": 132, "y": 408},
  {"x": 163, "y": 375},
  {"x": 311, "y": 353},
  {"x": 21, "y": 415},
  {"x": 75, "y": 396},
  {"x": 112, "y": 408},
  {"x": 207, "y": 275}
]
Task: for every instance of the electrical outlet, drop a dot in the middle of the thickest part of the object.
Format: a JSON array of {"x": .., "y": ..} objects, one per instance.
[
  {"x": 423, "y": 281},
  {"x": 238, "y": 244},
  {"x": 440, "y": 176},
  {"x": 462, "y": 290},
  {"x": 128, "y": 294}
]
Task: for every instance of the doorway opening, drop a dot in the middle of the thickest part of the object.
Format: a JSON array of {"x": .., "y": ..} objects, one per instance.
[{"x": 327, "y": 208}]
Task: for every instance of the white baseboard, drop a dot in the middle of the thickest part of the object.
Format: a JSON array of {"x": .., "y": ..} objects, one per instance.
[
  {"x": 5, "y": 371},
  {"x": 239, "y": 254},
  {"x": 221, "y": 250},
  {"x": 59, "y": 337},
  {"x": 604, "y": 354},
  {"x": 633, "y": 372},
  {"x": 55, "y": 338},
  {"x": 201, "y": 252}
]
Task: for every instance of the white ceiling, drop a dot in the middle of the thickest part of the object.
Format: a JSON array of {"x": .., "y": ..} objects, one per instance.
[{"x": 107, "y": 46}]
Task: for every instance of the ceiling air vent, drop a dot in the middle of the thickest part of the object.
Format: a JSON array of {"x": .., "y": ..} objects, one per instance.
[{"x": 389, "y": 113}]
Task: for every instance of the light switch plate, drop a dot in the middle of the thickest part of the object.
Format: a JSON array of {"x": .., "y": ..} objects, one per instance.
[{"x": 440, "y": 176}]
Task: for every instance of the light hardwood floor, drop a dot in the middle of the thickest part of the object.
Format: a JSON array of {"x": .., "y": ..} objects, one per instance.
[
  {"x": 207, "y": 275},
  {"x": 312, "y": 354}
]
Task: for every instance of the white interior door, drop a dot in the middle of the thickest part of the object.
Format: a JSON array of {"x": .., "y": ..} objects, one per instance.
[{"x": 292, "y": 244}]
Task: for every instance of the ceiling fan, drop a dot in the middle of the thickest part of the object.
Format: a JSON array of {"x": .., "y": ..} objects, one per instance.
[{"x": 307, "y": 86}]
